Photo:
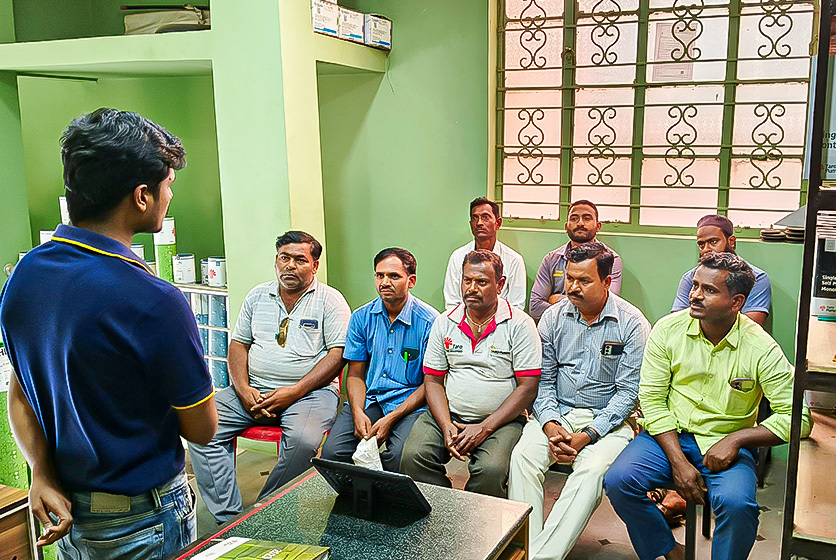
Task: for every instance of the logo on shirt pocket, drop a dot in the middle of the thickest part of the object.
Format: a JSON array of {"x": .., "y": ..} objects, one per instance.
[{"x": 451, "y": 347}]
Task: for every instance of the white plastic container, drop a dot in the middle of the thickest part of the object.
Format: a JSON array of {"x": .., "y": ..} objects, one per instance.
[
  {"x": 217, "y": 271},
  {"x": 184, "y": 268},
  {"x": 46, "y": 235},
  {"x": 65, "y": 211},
  {"x": 138, "y": 250}
]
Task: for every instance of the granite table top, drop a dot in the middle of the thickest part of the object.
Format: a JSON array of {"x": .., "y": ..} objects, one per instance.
[{"x": 462, "y": 525}]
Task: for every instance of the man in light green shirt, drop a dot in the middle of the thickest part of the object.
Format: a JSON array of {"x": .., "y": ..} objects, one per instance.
[{"x": 703, "y": 375}]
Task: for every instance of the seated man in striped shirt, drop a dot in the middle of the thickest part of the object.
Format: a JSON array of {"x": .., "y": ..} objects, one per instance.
[
  {"x": 482, "y": 365},
  {"x": 285, "y": 357},
  {"x": 592, "y": 351},
  {"x": 385, "y": 352}
]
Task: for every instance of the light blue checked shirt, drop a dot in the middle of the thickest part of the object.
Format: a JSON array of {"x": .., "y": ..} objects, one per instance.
[
  {"x": 576, "y": 372},
  {"x": 395, "y": 351}
]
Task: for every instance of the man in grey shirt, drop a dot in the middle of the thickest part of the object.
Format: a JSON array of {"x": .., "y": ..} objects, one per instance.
[
  {"x": 593, "y": 343},
  {"x": 284, "y": 360},
  {"x": 581, "y": 226}
]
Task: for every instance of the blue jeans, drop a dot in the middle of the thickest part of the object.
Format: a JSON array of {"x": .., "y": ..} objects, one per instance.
[
  {"x": 160, "y": 522},
  {"x": 643, "y": 466},
  {"x": 303, "y": 424}
]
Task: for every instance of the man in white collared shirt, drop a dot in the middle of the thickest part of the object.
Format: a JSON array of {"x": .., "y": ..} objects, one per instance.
[
  {"x": 485, "y": 221},
  {"x": 284, "y": 360}
]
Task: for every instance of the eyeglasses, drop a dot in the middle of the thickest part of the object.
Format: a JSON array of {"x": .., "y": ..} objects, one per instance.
[{"x": 281, "y": 336}]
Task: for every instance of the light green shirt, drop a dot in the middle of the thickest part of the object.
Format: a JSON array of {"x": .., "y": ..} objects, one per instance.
[{"x": 686, "y": 381}]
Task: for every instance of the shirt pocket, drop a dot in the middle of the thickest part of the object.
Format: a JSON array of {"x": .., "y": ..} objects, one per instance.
[
  {"x": 308, "y": 337},
  {"x": 605, "y": 373},
  {"x": 501, "y": 360},
  {"x": 740, "y": 403}
]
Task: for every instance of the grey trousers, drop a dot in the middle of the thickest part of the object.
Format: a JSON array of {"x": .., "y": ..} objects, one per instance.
[
  {"x": 304, "y": 424},
  {"x": 425, "y": 455}
]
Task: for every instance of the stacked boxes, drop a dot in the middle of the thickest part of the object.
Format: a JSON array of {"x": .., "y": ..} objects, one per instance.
[{"x": 370, "y": 29}]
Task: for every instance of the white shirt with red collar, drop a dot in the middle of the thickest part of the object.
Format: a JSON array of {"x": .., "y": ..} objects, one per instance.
[{"x": 482, "y": 372}]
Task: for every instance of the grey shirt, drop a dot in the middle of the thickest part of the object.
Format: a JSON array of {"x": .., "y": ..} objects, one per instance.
[
  {"x": 550, "y": 279},
  {"x": 317, "y": 323}
]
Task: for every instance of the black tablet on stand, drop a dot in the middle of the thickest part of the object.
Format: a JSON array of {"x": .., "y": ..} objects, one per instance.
[{"x": 367, "y": 486}]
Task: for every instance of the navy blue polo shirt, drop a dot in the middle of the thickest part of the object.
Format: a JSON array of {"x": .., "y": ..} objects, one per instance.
[{"x": 105, "y": 352}]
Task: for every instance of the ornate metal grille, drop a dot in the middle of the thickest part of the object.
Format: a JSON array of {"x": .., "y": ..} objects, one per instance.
[{"x": 659, "y": 111}]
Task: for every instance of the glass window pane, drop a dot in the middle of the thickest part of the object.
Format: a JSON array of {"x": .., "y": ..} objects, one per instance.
[
  {"x": 606, "y": 49},
  {"x": 677, "y": 45},
  {"x": 680, "y": 122},
  {"x": 604, "y": 121},
  {"x": 775, "y": 39},
  {"x": 533, "y": 57},
  {"x": 764, "y": 175},
  {"x": 606, "y": 182},
  {"x": 533, "y": 9},
  {"x": 532, "y": 129},
  {"x": 680, "y": 172},
  {"x": 525, "y": 169},
  {"x": 531, "y": 211},
  {"x": 757, "y": 218},
  {"x": 606, "y": 200}
]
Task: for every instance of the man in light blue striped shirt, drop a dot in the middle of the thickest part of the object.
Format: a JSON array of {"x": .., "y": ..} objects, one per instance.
[
  {"x": 593, "y": 343},
  {"x": 385, "y": 348}
]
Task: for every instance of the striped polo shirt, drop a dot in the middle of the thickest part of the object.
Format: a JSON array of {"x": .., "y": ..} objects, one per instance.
[
  {"x": 318, "y": 322},
  {"x": 481, "y": 372}
]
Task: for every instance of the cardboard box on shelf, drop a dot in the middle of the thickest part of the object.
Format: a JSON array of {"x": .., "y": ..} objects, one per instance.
[
  {"x": 378, "y": 31},
  {"x": 351, "y": 25},
  {"x": 325, "y": 16}
]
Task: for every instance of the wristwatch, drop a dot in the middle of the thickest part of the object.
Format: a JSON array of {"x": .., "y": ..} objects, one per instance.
[{"x": 593, "y": 437}]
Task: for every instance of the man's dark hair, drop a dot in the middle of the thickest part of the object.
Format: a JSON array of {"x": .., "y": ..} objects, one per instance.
[
  {"x": 583, "y": 202},
  {"x": 483, "y": 255},
  {"x": 107, "y": 154},
  {"x": 294, "y": 236},
  {"x": 604, "y": 258},
  {"x": 407, "y": 259},
  {"x": 740, "y": 280},
  {"x": 482, "y": 200}
]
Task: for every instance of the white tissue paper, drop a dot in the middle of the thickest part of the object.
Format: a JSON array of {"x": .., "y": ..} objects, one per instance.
[{"x": 367, "y": 454}]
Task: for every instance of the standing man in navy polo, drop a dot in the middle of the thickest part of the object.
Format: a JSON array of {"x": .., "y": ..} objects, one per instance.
[
  {"x": 108, "y": 361},
  {"x": 385, "y": 352}
]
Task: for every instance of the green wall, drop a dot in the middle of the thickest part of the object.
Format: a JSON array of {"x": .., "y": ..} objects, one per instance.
[
  {"x": 403, "y": 157},
  {"x": 183, "y": 105},
  {"x": 41, "y": 20},
  {"x": 14, "y": 216}
]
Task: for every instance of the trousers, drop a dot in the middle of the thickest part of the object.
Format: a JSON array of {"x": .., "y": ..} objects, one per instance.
[
  {"x": 582, "y": 492},
  {"x": 644, "y": 466},
  {"x": 425, "y": 456},
  {"x": 303, "y": 424}
]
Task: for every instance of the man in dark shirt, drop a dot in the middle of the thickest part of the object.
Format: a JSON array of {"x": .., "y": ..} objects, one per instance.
[{"x": 109, "y": 368}]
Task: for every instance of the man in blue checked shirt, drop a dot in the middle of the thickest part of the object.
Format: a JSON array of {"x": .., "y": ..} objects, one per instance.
[
  {"x": 593, "y": 343},
  {"x": 385, "y": 352}
]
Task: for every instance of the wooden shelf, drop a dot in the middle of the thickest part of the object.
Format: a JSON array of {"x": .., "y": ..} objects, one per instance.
[
  {"x": 821, "y": 346},
  {"x": 815, "y": 506},
  {"x": 168, "y": 54}
]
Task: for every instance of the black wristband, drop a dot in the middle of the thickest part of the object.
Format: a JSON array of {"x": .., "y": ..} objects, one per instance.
[{"x": 593, "y": 437}]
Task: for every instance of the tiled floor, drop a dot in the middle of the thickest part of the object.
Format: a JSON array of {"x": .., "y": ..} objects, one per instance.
[{"x": 605, "y": 537}]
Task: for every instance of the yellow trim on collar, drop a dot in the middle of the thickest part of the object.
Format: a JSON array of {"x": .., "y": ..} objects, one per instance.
[
  {"x": 88, "y": 247},
  {"x": 201, "y": 401}
]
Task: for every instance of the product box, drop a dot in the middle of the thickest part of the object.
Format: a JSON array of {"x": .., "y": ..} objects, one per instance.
[
  {"x": 325, "y": 16},
  {"x": 351, "y": 25},
  {"x": 378, "y": 32},
  {"x": 824, "y": 283}
]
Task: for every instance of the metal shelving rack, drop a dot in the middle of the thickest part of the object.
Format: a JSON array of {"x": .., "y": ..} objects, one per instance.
[{"x": 810, "y": 503}]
